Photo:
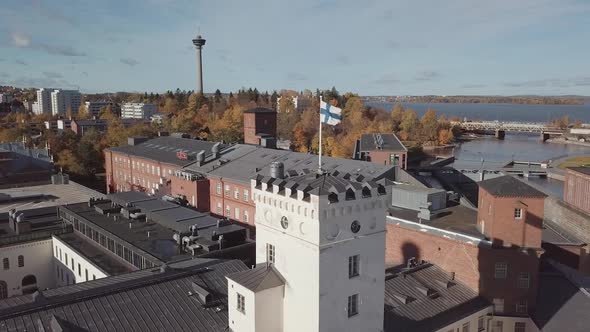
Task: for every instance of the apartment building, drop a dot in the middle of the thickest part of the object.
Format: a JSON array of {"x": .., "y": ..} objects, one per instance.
[
  {"x": 138, "y": 111},
  {"x": 64, "y": 101},
  {"x": 94, "y": 107},
  {"x": 44, "y": 103}
]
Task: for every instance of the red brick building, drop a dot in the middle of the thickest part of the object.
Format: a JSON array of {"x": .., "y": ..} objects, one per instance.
[
  {"x": 259, "y": 123},
  {"x": 382, "y": 149},
  {"x": 576, "y": 190},
  {"x": 496, "y": 254}
]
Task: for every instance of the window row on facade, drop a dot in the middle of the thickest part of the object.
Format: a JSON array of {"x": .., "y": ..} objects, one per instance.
[
  {"x": 237, "y": 195},
  {"x": 6, "y": 262},
  {"x": 122, "y": 250},
  {"x": 501, "y": 272}
]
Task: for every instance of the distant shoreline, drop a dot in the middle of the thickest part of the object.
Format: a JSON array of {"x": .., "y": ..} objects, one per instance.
[{"x": 562, "y": 101}]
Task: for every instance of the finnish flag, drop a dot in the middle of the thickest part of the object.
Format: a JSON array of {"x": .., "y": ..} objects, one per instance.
[{"x": 330, "y": 114}]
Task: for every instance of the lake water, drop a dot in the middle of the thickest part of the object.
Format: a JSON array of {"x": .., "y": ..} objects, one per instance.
[
  {"x": 523, "y": 147},
  {"x": 500, "y": 112}
]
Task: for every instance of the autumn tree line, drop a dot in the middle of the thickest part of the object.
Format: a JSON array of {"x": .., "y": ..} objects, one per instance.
[{"x": 219, "y": 117}]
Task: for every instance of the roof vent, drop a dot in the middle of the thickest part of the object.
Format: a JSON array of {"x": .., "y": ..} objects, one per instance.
[
  {"x": 215, "y": 150},
  {"x": 277, "y": 170},
  {"x": 164, "y": 268},
  {"x": 204, "y": 296}
]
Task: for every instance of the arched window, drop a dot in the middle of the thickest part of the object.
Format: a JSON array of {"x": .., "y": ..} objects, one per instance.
[
  {"x": 21, "y": 261},
  {"x": 6, "y": 263},
  {"x": 3, "y": 289},
  {"x": 350, "y": 194},
  {"x": 333, "y": 198},
  {"x": 29, "y": 280}
]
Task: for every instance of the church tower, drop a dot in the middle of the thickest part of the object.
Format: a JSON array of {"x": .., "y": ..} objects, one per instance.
[{"x": 320, "y": 255}]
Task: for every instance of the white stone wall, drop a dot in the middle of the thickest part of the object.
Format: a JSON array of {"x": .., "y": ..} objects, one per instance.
[
  {"x": 238, "y": 321},
  {"x": 67, "y": 274},
  {"x": 312, "y": 255},
  {"x": 472, "y": 320},
  {"x": 37, "y": 262},
  {"x": 269, "y": 310},
  {"x": 508, "y": 323}
]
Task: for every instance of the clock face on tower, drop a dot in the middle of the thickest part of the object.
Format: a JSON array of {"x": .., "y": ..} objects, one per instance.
[
  {"x": 355, "y": 227},
  {"x": 284, "y": 222}
]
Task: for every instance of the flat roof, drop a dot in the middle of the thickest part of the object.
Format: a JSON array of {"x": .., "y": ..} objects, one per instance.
[
  {"x": 164, "y": 149},
  {"x": 44, "y": 196},
  {"x": 147, "y": 300},
  {"x": 583, "y": 170},
  {"x": 104, "y": 260},
  {"x": 385, "y": 142},
  {"x": 257, "y": 160},
  {"x": 44, "y": 222},
  {"x": 427, "y": 298},
  {"x": 159, "y": 244},
  {"x": 457, "y": 219}
]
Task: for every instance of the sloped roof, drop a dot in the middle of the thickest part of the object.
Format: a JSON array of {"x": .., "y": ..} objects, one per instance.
[
  {"x": 260, "y": 110},
  {"x": 259, "y": 278},
  {"x": 426, "y": 299},
  {"x": 386, "y": 142},
  {"x": 147, "y": 300},
  {"x": 583, "y": 170},
  {"x": 509, "y": 186}
]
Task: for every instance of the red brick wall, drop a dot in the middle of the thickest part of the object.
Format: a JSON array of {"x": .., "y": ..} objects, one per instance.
[
  {"x": 221, "y": 202},
  {"x": 382, "y": 157},
  {"x": 195, "y": 192},
  {"x": 259, "y": 123},
  {"x": 576, "y": 190},
  {"x": 473, "y": 265},
  {"x": 496, "y": 217}
]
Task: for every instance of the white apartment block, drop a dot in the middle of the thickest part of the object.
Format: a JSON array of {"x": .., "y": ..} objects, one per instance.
[
  {"x": 63, "y": 101},
  {"x": 299, "y": 102},
  {"x": 43, "y": 101},
  {"x": 138, "y": 111},
  {"x": 94, "y": 107},
  {"x": 5, "y": 98}
]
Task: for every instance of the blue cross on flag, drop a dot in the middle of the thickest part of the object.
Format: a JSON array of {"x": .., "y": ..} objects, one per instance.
[{"x": 330, "y": 114}]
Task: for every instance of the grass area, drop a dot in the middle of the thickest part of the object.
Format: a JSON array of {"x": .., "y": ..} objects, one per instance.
[{"x": 575, "y": 162}]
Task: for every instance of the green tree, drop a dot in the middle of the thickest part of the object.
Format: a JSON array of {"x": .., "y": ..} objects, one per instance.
[{"x": 89, "y": 152}]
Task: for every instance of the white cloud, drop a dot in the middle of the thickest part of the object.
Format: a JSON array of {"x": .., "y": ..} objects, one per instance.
[{"x": 20, "y": 39}]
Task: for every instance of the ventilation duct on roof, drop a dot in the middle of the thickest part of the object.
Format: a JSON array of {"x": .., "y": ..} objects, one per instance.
[{"x": 204, "y": 296}]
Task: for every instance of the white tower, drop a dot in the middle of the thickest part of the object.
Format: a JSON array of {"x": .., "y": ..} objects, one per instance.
[{"x": 323, "y": 237}]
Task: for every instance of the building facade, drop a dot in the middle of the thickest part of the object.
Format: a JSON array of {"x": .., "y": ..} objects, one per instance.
[
  {"x": 383, "y": 149},
  {"x": 138, "y": 111},
  {"x": 65, "y": 101},
  {"x": 576, "y": 188},
  {"x": 44, "y": 104},
  {"x": 94, "y": 107},
  {"x": 258, "y": 124},
  {"x": 5, "y": 98}
]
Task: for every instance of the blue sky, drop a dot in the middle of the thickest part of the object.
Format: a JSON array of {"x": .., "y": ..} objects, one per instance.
[{"x": 371, "y": 47}]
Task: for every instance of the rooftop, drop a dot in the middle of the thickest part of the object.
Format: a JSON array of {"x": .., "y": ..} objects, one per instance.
[
  {"x": 458, "y": 219},
  {"x": 260, "y": 110},
  {"x": 164, "y": 149},
  {"x": 509, "y": 186},
  {"x": 147, "y": 300},
  {"x": 427, "y": 298},
  {"x": 43, "y": 222},
  {"x": 259, "y": 278},
  {"x": 386, "y": 142},
  {"x": 105, "y": 261},
  {"x": 44, "y": 195},
  {"x": 583, "y": 170},
  {"x": 246, "y": 161},
  {"x": 563, "y": 301}
]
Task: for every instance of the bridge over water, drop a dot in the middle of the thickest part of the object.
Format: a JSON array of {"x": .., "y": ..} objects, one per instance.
[{"x": 500, "y": 128}]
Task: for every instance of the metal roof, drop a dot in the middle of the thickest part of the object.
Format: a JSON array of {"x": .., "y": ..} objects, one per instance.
[
  {"x": 427, "y": 299},
  {"x": 509, "y": 186},
  {"x": 260, "y": 110},
  {"x": 259, "y": 278},
  {"x": 163, "y": 149},
  {"x": 583, "y": 170},
  {"x": 385, "y": 142},
  {"x": 147, "y": 300}
]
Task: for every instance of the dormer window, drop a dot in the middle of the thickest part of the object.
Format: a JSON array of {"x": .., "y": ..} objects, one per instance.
[
  {"x": 333, "y": 198},
  {"x": 350, "y": 194},
  {"x": 366, "y": 192}
]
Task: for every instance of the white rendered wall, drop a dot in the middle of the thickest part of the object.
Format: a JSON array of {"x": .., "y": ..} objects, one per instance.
[
  {"x": 69, "y": 275},
  {"x": 312, "y": 255},
  {"x": 37, "y": 261},
  {"x": 508, "y": 323},
  {"x": 238, "y": 321},
  {"x": 269, "y": 310}
]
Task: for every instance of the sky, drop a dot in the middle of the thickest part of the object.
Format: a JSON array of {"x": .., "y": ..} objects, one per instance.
[{"x": 369, "y": 47}]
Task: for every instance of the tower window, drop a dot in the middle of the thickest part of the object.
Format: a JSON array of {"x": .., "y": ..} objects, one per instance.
[
  {"x": 498, "y": 305},
  {"x": 519, "y": 327},
  {"x": 500, "y": 270},
  {"x": 353, "y": 266},
  {"x": 6, "y": 264},
  {"x": 524, "y": 280},
  {"x": 521, "y": 306},
  {"x": 465, "y": 327},
  {"x": 227, "y": 190},
  {"x": 517, "y": 213},
  {"x": 241, "y": 303},
  {"x": 21, "y": 261},
  {"x": 270, "y": 253},
  {"x": 353, "y": 305}
]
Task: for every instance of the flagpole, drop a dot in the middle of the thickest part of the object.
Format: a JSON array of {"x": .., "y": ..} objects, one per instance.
[{"x": 320, "y": 159}]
